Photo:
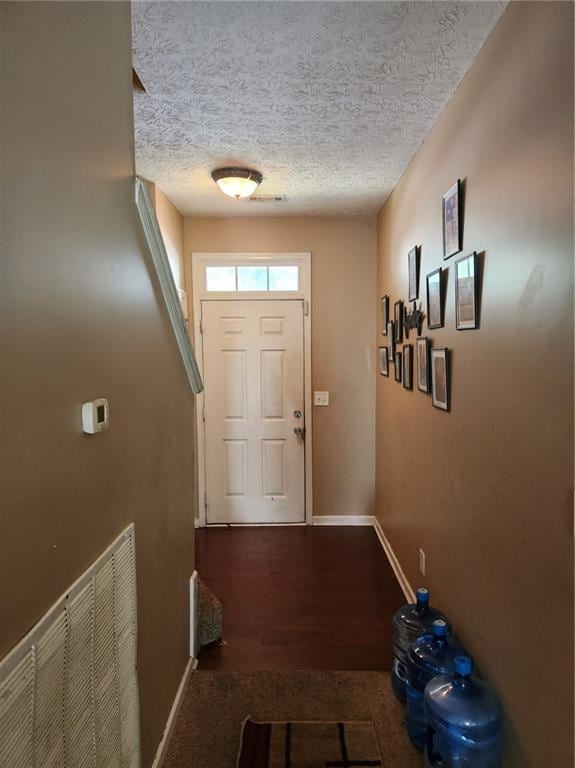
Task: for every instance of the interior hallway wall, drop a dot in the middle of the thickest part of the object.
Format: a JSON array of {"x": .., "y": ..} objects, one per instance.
[
  {"x": 343, "y": 278},
  {"x": 82, "y": 317},
  {"x": 487, "y": 490}
]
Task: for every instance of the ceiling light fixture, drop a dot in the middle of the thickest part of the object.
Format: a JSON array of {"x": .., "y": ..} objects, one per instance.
[{"x": 237, "y": 182}]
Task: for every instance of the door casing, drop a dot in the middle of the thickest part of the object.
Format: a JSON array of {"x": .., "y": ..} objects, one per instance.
[{"x": 199, "y": 294}]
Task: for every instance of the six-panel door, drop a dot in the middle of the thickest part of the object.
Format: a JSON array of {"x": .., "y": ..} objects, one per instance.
[{"x": 254, "y": 400}]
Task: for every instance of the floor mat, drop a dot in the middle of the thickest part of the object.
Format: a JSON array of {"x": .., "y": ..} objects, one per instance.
[
  {"x": 209, "y": 725},
  {"x": 309, "y": 745}
]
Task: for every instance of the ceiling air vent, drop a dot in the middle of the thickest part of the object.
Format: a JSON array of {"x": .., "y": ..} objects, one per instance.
[{"x": 267, "y": 198}]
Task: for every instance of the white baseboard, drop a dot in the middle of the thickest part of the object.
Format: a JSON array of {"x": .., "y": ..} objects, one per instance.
[
  {"x": 193, "y": 607},
  {"x": 162, "y": 748},
  {"x": 343, "y": 520},
  {"x": 394, "y": 562}
]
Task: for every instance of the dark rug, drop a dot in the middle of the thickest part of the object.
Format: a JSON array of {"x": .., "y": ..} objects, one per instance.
[
  {"x": 309, "y": 745},
  {"x": 208, "y": 727}
]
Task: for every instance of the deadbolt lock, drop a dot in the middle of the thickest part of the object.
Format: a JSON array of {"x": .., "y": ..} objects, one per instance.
[{"x": 298, "y": 414}]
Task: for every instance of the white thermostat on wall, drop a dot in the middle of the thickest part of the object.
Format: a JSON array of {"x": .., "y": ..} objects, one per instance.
[{"x": 95, "y": 416}]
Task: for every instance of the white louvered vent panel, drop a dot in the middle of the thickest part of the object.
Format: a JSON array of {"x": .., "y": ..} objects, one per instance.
[
  {"x": 69, "y": 690},
  {"x": 16, "y": 716},
  {"x": 80, "y": 738}
]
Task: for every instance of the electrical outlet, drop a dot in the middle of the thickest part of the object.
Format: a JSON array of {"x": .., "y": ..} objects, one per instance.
[{"x": 422, "y": 561}]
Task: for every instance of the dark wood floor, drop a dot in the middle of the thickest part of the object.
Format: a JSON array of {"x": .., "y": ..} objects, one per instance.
[{"x": 318, "y": 598}]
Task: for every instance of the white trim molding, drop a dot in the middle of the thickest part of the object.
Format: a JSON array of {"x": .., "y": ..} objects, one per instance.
[
  {"x": 193, "y": 611},
  {"x": 394, "y": 562},
  {"x": 372, "y": 521},
  {"x": 199, "y": 261},
  {"x": 343, "y": 520},
  {"x": 170, "y": 722}
]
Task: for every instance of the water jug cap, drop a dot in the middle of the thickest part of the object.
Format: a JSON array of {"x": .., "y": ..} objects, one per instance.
[
  {"x": 422, "y": 595},
  {"x": 440, "y": 628},
  {"x": 463, "y": 666}
]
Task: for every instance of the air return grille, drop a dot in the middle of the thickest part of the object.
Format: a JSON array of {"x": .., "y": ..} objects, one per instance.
[{"x": 69, "y": 690}]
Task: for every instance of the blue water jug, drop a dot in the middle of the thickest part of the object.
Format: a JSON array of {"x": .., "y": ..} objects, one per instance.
[
  {"x": 427, "y": 657},
  {"x": 409, "y": 622},
  {"x": 463, "y": 720}
]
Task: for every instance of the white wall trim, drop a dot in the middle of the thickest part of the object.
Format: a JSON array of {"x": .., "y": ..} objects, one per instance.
[
  {"x": 193, "y": 608},
  {"x": 372, "y": 521},
  {"x": 199, "y": 260},
  {"x": 394, "y": 562},
  {"x": 344, "y": 520},
  {"x": 162, "y": 748}
]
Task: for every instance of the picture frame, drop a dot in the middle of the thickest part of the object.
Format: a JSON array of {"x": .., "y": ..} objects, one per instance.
[
  {"x": 390, "y": 342},
  {"x": 466, "y": 293},
  {"x": 452, "y": 221},
  {"x": 422, "y": 356},
  {"x": 413, "y": 263},
  {"x": 440, "y": 378},
  {"x": 435, "y": 289},
  {"x": 384, "y": 309},
  {"x": 397, "y": 372},
  {"x": 407, "y": 366},
  {"x": 398, "y": 321},
  {"x": 383, "y": 361}
]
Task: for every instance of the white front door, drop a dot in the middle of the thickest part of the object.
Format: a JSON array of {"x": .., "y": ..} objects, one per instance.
[{"x": 253, "y": 354}]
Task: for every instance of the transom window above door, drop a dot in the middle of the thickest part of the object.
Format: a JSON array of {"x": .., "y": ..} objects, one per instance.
[{"x": 252, "y": 278}]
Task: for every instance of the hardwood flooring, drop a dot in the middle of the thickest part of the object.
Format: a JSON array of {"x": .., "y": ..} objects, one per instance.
[{"x": 299, "y": 598}]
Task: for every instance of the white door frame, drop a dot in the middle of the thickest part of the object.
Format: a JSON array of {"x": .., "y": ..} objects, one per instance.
[{"x": 199, "y": 294}]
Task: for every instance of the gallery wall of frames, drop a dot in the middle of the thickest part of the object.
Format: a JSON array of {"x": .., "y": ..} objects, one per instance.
[{"x": 427, "y": 367}]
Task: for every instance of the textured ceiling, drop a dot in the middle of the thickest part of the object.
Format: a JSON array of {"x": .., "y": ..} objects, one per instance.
[{"x": 329, "y": 100}]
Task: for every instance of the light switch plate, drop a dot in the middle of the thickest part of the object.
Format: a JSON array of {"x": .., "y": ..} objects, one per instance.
[{"x": 321, "y": 398}]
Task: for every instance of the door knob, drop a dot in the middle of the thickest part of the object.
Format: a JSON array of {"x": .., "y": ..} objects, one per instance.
[{"x": 299, "y": 431}]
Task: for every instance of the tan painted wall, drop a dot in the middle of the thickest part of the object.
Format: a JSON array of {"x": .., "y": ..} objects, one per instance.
[
  {"x": 343, "y": 278},
  {"x": 172, "y": 226},
  {"x": 487, "y": 490},
  {"x": 81, "y": 319}
]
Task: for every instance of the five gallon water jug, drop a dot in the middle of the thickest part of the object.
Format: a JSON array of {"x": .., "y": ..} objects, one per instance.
[
  {"x": 409, "y": 622},
  {"x": 463, "y": 720},
  {"x": 428, "y": 656}
]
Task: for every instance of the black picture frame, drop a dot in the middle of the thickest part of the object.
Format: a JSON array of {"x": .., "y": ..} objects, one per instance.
[
  {"x": 413, "y": 264},
  {"x": 407, "y": 366},
  {"x": 383, "y": 360},
  {"x": 390, "y": 342},
  {"x": 423, "y": 362},
  {"x": 440, "y": 395},
  {"x": 384, "y": 309},
  {"x": 398, "y": 321},
  {"x": 397, "y": 373},
  {"x": 467, "y": 293},
  {"x": 435, "y": 289},
  {"x": 452, "y": 221}
]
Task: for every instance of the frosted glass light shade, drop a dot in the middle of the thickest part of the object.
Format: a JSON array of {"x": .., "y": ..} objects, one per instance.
[{"x": 237, "y": 182}]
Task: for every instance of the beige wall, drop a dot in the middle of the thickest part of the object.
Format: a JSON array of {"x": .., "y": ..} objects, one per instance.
[
  {"x": 172, "y": 227},
  {"x": 487, "y": 490},
  {"x": 81, "y": 319},
  {"x": 343, "y": 278}
]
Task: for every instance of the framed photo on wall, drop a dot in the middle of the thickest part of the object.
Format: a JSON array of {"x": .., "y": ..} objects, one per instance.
[
  {"x": 384, "y": 314},
  {"x": 398, "y": 366},
  {"x": 466, "y": 293},
  {"x": 422, "y": 355},
  {"x": 398, "y": 321},
  {"x": 452, "y": 221},
  {"x": 408, "y": 366},
  {"x": 413, "y": 260},
  {"x": 435, "y": 299},
  {"x": 390, "y": 342},
  {"x": 440, "y": 377},
  {"x": 383, "y": 361}
]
